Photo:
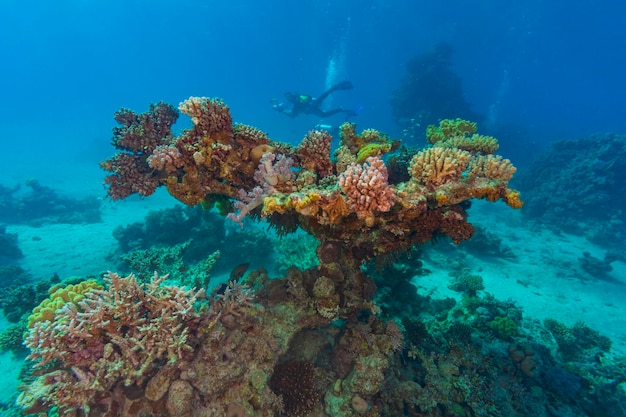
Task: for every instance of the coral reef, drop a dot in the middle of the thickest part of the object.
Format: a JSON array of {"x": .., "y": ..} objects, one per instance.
[
  {"x": 117, "y": 334},
  {"x": 313, "y": 342},
  {"x": 281, "y": 183},
  {"x": 20, "y": 297},
  {"x": 574, "y": 176},
  {"x": 12, "y": 339},
  {"x": 40, "y": 204},
  {"x": 9, "y": 248},
  {"x": 180, "y": 240},
  {"x": 297, "y": 249},
  {"x": 264, "y": 348}
]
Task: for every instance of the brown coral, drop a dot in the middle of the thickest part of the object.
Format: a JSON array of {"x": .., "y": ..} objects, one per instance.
[
  {"x": 314, "y": 152},
  {"x": 491, "y": 167},
  {"x": 475, "y": 143},
  {"x": 208, "y": 115},
  {"x": 294, "y": 382}
]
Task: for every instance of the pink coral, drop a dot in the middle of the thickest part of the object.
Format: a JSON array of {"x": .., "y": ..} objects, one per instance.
[
  {"x": 367, "y": 187},
  {"x": 165, "y": 158},
  {"x": 273, "y": 172}
]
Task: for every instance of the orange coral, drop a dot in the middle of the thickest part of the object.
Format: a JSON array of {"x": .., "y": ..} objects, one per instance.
[{"x": 334, "y": 208}]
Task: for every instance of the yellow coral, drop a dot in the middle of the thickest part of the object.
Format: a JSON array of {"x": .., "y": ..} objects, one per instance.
[
  {"x": 436, "y": 166},
  {"x": 369, "y": 143},
  {"x": 449, "y": 128},
  {"x": 512, "y": 199},
  {"x": 59, "y": 297},
  {"x": 372, "y": 149},
  {"x": 303, "y": 203}
]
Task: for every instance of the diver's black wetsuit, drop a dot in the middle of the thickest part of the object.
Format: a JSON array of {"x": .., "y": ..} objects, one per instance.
[{"x": 305, "y": 104}]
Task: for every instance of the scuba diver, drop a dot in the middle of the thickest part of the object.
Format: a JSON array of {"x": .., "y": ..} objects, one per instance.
[{"x": 305, "y": 104}]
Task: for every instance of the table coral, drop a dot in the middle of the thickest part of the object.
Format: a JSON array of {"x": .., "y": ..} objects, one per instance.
[{"x": 333, "y": 199}]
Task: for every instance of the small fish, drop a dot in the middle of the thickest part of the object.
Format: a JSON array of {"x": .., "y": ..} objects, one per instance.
[{"x": 238, "y": 271}]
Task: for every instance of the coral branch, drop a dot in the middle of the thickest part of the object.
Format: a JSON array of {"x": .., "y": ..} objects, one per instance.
[{"x": 118, "y": 334}]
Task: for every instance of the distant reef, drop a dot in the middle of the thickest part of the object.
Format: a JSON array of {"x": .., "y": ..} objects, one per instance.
[
  {"x": 38, "y": 205},
  {"x": 577, "y": 186}
]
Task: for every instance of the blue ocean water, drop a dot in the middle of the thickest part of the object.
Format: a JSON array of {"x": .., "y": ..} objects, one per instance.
[
  {"x": 532, "y": 73},
  {"x": 554, "y": 67}
]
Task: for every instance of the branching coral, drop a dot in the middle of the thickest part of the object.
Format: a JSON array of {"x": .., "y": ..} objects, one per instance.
[
  {"x": 369, "y": 143},
  {"x": 120, "y": 334},
  {"x": 209, "y": 116},
  {"x": 460, "y": 134},
  {"x": 137, "y": 137},
  {"x": 449, "y": 129},
  {"x": 165, "y": 158},
  {"x": 458, "y": 168}
]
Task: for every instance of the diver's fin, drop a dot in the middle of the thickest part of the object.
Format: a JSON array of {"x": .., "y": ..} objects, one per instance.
[{"x": 344, "y": 85}]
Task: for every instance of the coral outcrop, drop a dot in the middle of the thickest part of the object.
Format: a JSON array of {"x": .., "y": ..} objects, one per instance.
[
  {"x": 312, "y": 342},
  {"x": 333, "y": 199},
  {"x": 576, "y": 177}
]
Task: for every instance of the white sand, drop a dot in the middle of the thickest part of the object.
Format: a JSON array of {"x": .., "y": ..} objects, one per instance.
[{"x": 545, "y": 278}]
